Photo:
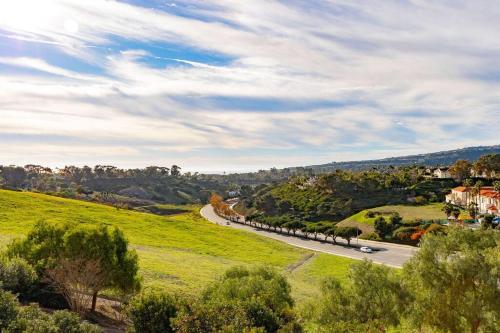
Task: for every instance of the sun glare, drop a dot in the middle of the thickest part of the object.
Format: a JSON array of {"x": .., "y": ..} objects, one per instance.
[{"x": 25, "y": 15}]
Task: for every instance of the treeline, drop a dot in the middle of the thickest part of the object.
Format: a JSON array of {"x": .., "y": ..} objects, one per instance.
[{"x": 109, "y": 184}]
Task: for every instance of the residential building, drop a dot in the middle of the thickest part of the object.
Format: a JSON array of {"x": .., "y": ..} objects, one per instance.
[
  {"x": 442, "y": 172},
  {"x": 487, "y": 200}
]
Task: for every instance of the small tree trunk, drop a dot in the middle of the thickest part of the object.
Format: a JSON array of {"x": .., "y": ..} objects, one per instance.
[{"x": 94, "y": 301}]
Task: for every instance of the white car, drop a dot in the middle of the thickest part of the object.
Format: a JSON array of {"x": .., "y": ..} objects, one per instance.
[{"x": 365, "y": 249}]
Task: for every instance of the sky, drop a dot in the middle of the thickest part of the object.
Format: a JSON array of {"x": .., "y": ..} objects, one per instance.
[{"x": 232, "y": 85}]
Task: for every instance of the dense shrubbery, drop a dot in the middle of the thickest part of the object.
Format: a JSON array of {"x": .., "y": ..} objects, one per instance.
[
  {"x": 242, "y": 300},
  {"x": 30, "y": 319},
  {"x": 17, "y": 276}
]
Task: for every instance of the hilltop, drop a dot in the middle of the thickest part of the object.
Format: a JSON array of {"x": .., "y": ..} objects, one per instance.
[{"x": 441, "y": 158}]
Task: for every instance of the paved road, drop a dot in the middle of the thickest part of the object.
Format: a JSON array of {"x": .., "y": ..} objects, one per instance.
[{"x": 389, "y": 254}]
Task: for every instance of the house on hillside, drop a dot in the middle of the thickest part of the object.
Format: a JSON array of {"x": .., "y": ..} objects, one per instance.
[
  {"x": 442, "y": 172},
  {"x": 487, "y": 200}
]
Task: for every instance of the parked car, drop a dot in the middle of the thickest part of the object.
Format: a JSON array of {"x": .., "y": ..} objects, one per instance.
[{"x": 365, "y": 249}]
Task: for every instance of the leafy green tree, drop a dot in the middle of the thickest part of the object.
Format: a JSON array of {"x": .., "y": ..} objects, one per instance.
[
  {"x": 460, "y": 169},
  {"x": 382, "y": 228},
  {"x": 371, "y": 301},
  {"x": 454, "y": 282},
  {"x": 293, "y": 226},
  {"x": 447, "y": 209},
  {"x": 106, "y": 251},
  {"x": 347, "y": 233}
]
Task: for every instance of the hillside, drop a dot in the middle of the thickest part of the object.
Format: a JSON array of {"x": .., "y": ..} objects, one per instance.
[
  {"x": 180, "y": 252},
  {"x": 431, "y": 159},
  {"x": 407, "y": 212}
]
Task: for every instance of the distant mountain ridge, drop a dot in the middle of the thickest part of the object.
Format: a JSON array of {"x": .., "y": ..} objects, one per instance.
[{"x": 441, "y": 158}]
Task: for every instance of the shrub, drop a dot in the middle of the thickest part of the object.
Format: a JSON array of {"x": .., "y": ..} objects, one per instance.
[
  {"x": 8, "y": 309},
  {"x": 69, "y": 322},
  {"x": 404, "y": 233},
  {"x": 370, "y": 214},
  {"x": 435, "y": 229},
  {"x": 420, "y": 200},
  {"x": 17, "y": 276},
  {"x": 152, "y": 312},
  {"x": 30, "y": 319},
  {"x": 33, "y": 320},
  {"x": 371, "y": 236}
]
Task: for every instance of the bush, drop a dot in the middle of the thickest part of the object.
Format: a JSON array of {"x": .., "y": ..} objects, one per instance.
[
  {"x": 420, "y": 200},
  {"x": 8, "y": 309},
  {"x": 33, "y": 320},
  {"x": 152, "y": 312},
  {"x": 404, "y": 233},
  {"x": 371, "y": 236},
  {"x": 69, "y": 322},
  {"x": 370, "y": 214},
  {"x": 17, "y": 276},
  {"x": 435, "y": 229}
]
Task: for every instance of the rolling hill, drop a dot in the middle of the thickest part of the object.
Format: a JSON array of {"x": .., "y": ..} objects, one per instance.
[
  {"x": 431, "y": 159},
  {"x": 180, "y": 252}
]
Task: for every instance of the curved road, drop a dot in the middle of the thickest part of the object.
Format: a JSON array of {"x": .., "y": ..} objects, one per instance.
[{"x": 388, "y": 254}]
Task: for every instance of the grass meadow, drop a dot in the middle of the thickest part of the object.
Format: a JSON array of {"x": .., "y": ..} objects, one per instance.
[
  {"x": 180, "y": 252},
  {"x": 407, "y": 212}
]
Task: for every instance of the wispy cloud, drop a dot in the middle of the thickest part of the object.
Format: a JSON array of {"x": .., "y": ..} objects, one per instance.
[{"x": 325, "y": 80}]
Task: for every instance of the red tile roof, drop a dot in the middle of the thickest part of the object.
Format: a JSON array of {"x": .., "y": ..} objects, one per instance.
[{"x": 461, "y": 189}]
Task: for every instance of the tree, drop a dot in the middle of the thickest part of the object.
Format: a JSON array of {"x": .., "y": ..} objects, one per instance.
[
  {"x": 101, "y": 253},
  {"x": 460, "y": 169},
  {"x": 293, "y": 225},
  {"x": 487, "y": 164},
  {"x": 382, "y": 228},
  {"x": 175, "y": 170},
  {"x": 371, "y": 300},
  {"x": 347, "y": 233},
  {"x": 13, "y": 176},
  {"x": 447, "y": 209},
  {"x": 454, "y": 281},
  {"x": 496, "y": 185}
]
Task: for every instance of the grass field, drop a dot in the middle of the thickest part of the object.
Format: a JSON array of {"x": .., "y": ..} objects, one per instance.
[
  {"x": 407, "y": 212},
  {"x": 181, "y": 252}
]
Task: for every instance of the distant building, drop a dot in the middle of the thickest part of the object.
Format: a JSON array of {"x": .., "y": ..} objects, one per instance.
[
  {"x": 233, "y": 194},
  {"x": 487, "y": 200},
  {"x": 442, "y": 172}
]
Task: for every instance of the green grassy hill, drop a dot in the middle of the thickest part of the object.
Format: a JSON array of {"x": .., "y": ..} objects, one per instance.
[
  {"x": 407, "y": 212},
  {"x": 180, "y": 252}
]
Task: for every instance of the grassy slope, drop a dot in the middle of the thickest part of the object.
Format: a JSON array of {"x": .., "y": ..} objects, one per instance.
[
  {"x": 180, "y": 252},
  {"x": 407, "y": 212}
]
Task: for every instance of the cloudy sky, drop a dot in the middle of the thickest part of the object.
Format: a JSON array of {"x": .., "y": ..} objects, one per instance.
[{"x": 224, "y": 85}]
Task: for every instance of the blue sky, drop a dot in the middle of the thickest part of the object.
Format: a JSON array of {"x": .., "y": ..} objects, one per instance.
[{"x": 242, "y": 85}]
